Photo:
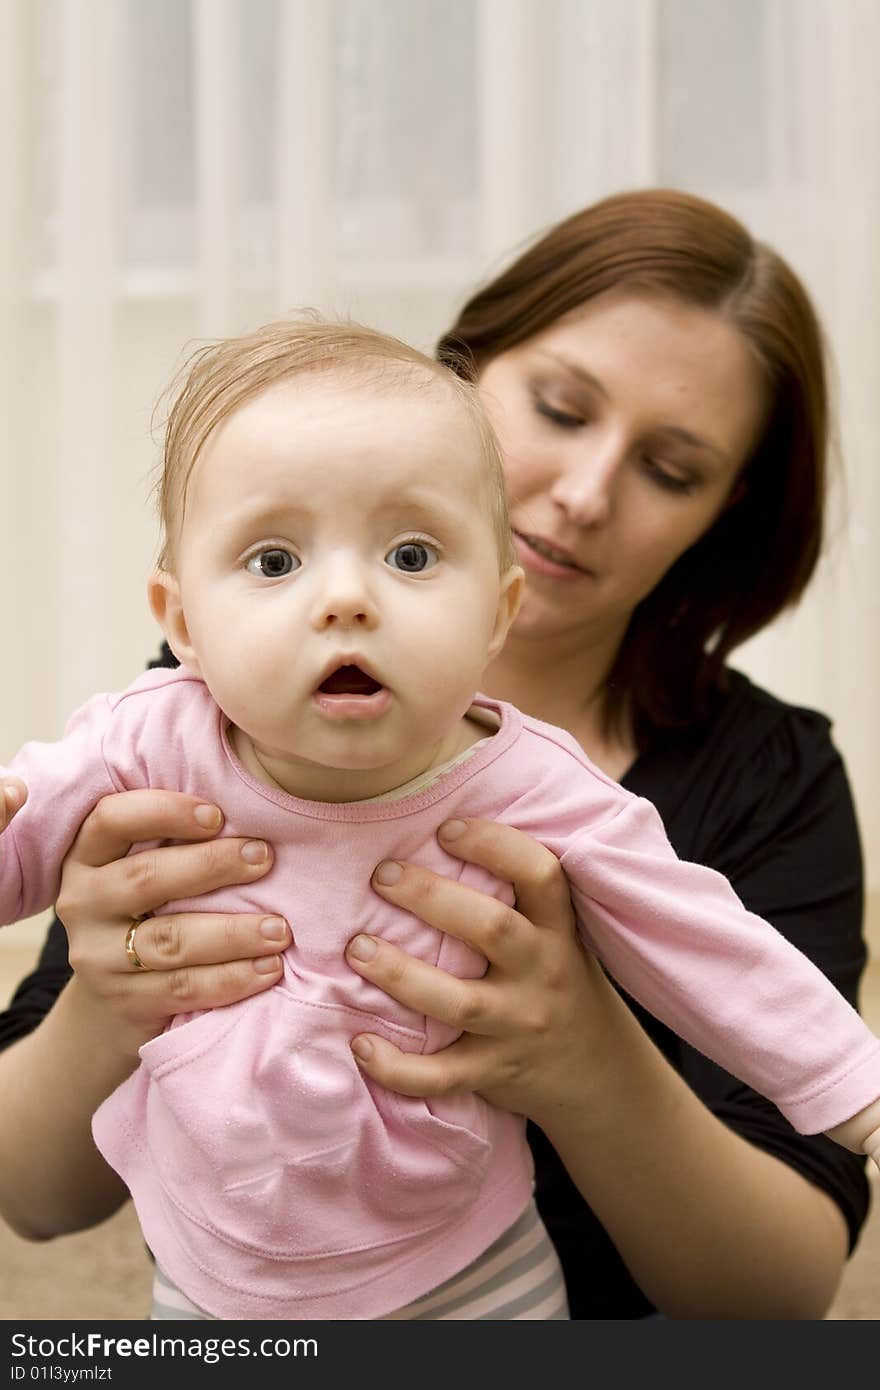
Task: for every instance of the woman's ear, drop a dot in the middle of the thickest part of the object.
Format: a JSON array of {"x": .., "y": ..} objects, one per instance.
[
  {"x": 163, "y": 592},
  {"x": 509, "y": 599}
]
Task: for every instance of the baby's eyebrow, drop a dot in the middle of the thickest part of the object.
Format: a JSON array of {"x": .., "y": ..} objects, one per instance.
[
  {"x": 421, "y": 510},
  {"x": 423, "y": 505},
  {"x": 257, "y": 511},
  {"x": 418, "y": 513}
]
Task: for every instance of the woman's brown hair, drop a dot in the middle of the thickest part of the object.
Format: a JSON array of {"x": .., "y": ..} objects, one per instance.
[{"x": 760, "y": 553}]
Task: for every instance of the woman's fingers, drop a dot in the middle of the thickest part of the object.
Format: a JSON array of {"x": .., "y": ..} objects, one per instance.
[
  {"x": 183, "y": 940},
  {"x": 521, "y": 1024},
  {"x": 143, "y": 881},
  {"x": 521, "y": 948},
  {"x": 419, "y": 986},
  {"x": 485, "y": 923},
  {"x": 539, "y": 884},
  {"x": 501, "y": 933},
  {"x": 153, "y": 877},
  {"x": 132, "y": 884},
  {"x": 192, "y": 962},
  {"x": 417, "y": 1073},
  {"x": 215, "y": 986},
  {"x": 124, "y": 818},
  {"x": 157, "y": 996}
]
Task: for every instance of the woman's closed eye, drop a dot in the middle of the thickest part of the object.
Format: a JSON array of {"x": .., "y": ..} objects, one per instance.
[
  {"x": 668, "y": 476},
  {"x": 272, "y": 562},
  {"x": 412, "y": 556},
  {"x": 565, "y": 419}
]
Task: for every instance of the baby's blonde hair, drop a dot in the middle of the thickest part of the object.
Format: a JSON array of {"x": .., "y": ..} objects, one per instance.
[{"x": 220, "y": 376}]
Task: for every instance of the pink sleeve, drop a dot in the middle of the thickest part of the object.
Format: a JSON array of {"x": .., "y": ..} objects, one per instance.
[
  {"x": 65, "y": 780},
  {"x": 679, "y": 940}
]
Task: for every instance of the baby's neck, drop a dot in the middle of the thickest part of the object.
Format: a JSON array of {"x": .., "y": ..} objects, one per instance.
[{"x": 313, "y": 782}]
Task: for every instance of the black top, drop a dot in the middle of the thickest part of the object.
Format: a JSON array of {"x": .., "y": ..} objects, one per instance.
[{"x": 759, "y": 793}]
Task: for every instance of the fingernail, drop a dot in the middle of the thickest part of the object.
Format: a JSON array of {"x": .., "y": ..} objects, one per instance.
[
  {"x": 208, "y": 816},
  {"x": 273, "y": 928},
  {"x": 362, "y": 1049},
  {"x": 388, "y": 873},
  {"x": 451, "y": 829},
  {"x": 362, "y": 948},
  {"x": 267, "y": 965},
  {"x": 255, "y": 852},
  {"x": 13, "y": 795}
]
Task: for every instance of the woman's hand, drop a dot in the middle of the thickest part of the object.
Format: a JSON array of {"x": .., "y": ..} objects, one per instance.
[
  {"x": 528, "y": 1024},
  {"x": 545, "y": 1034},
  {"x": 193, "y": 960}
]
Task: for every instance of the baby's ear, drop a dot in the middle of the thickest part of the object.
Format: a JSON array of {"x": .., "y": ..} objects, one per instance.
[
  {"x": 509, "y": 599},
  {"x": 163, "y": 592}
]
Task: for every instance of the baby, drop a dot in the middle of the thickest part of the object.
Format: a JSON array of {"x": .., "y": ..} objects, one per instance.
[{"x": 336, "y": 575}]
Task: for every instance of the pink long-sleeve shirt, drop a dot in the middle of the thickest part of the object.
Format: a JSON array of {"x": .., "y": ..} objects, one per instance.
[{"x": 271, "y": 1177}]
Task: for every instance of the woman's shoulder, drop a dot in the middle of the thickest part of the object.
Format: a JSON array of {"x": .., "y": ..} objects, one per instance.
[
  {"x": 745, "y": 720},
  {"x": 759, "y": 775},
  {"x": 748, "y": 713},
  {"x": 751, "y": 746},
  {"x": 782, "y": 749}
]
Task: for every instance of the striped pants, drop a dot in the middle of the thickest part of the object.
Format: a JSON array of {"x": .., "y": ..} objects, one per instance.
[{"x": 517, "y": 1278}]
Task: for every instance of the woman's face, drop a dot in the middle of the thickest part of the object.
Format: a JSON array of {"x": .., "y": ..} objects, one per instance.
[{"x": 623, "y": 428}]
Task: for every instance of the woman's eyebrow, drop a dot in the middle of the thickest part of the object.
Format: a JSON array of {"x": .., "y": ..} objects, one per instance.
[{"x": 578, "y": 371}]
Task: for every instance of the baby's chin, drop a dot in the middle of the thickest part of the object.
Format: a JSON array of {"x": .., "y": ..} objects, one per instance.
[{"x": 349, "y": 773}]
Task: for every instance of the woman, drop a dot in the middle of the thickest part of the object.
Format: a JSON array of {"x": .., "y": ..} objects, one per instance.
[{"x": 657, "y": 385}]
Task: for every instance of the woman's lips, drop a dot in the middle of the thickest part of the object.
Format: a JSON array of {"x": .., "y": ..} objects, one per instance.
[{"x": 531, "y": 554}]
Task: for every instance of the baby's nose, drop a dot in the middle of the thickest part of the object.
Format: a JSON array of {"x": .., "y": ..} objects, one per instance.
[{"x": 345, "y": 601}]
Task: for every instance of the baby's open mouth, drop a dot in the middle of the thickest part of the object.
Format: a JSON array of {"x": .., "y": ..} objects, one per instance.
[{"x": 349, "y": 680}]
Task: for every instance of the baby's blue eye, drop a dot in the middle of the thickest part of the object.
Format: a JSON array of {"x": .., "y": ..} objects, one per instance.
[
  {"x": 412, "y": 557},
  {"x": 273, "y": 563}
]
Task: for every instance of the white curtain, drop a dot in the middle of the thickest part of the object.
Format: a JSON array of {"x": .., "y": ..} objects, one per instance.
[{"x": 180, "y": 168}]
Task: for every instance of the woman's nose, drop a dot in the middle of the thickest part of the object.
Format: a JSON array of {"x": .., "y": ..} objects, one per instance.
[
  {"x": 585, "y": 489},
  {"x": 344, "y": 599}
]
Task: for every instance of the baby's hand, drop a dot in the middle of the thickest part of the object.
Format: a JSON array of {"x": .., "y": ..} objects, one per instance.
[
  {"x": 861, "y": 1134},
  {"x": 872, "y": 1146},
  {"x": 13, "y": 798}
]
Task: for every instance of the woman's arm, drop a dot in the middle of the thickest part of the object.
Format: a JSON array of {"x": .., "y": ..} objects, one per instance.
[
  {"x": 708, "y": 1225},
  {"x": 52, "y": 1178}
]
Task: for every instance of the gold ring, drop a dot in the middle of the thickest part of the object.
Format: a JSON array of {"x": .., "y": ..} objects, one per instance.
[{"x": 130, "y": 949}]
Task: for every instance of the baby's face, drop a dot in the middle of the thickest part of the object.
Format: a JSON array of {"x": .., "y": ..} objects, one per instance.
[{"x": 339, "y": 579}]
